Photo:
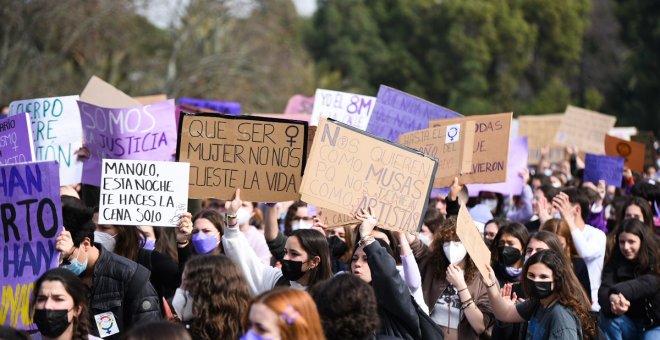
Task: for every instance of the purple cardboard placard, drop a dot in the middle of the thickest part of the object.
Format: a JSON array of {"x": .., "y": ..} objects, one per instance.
[
  {"x": 397, "y": 112},
  {"x": 146, "y": 132},
  {"x": 230, "y": 108},
  {"x": 16, "y": 144},
  {"x": 517, "y": 161},
  {"x": 608, "y": 168},
  {"x": 32, "y": 214}
]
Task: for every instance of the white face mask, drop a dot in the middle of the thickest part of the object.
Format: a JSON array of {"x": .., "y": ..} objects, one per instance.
[
  {"x": 243, "y": 216},
  {"x": 454, "y": 251},
  {"x": 301, "y": 224},
  {"x": 183, "y": 304},
  {"x": 491, "y": 203},
  {"x": 106, "y": 240},
  {"x": 424, "y": 238}
]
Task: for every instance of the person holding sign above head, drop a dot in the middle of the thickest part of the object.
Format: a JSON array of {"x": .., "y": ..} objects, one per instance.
[
  {"x": 306, "y": 259},
  {"x": 556, "y": 307},
  {"x": 120, "y": 292},
  {"x": 458, "y": 299},
  {"x": 255, "y": 238}
]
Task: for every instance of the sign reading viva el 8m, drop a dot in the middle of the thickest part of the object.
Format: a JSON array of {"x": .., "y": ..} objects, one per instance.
[
  {"x": 352, "y": 109},
  {"x": 30, "y": 211},
  {"x": 146, "y": 132},
  {"x": 56, "y": 132}
]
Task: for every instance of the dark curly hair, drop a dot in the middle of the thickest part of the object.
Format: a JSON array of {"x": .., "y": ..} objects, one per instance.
[
  {"x": 347, "y": 306},
  {"x": 566, "y": 286},
  {"x": 78, "y": 291},
  {"x": 447, "y": 233},
  {"x": 220, "y": 296}
]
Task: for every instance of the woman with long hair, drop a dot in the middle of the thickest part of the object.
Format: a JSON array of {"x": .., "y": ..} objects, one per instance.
[
  {"x": 213, "y": 298},
  {"x": 556, "y": 306},
  {"x": 59, "y": 305},
  {"x": 283, "y": 313},
  {"x": 633, "y": 207},
  {"x": 629, "y": 294}
]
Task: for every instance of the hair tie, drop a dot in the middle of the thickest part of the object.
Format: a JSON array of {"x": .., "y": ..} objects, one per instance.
[{"x": 290, "y": 315}]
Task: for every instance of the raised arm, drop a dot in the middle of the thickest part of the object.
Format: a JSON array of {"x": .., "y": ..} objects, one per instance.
[
  {"x": 271, "y": 227},
  {"x": 410, "y": 269},
  {"x": 504, "y": 310}
]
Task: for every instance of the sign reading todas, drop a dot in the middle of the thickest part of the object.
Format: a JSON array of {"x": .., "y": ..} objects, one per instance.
[
  {"x": 349, "y": 169},
  {"x": 632, "y": 152},
  {"x": 264, "y": 157},
  {"x": 609, "y": 169},
  {"x": 16, "y": 144},
  {"x": 143, "y": 192},
  {"x": 352, "y": 109},
  {"x": 397, "y": 112},
  {"x": 146, "y": 132},
  {"x": 451, "y": 145},
  {"x": 490, "y": 150},
  {"x": 30, "y": 211},
  {"x": 56, "y": 132}
]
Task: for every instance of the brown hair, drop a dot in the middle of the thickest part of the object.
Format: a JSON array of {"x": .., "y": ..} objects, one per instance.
[
  {"x": 298, "y": 316},
  {"x": 647, "y": 256},
  {"x": 560, "y": 227},
  {"x": 553, "y": 243},
  {"x": 220, "y": 296},
  {"x": 129, "y": 241},
  {"x": 447, "y": 233},
  {"x": 216, "y": 219}
]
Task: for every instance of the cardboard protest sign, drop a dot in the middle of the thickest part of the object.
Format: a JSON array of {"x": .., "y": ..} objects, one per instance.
[
  {"x": 230, "y": 108},
  {"x": 474, "y": 243},
  {"x": 145, "y": 132},
  {"x": 31, "y": 220},
  {"x": 584, "y": 129},
  {"x": 648, "y": 139},
  {"x": 144, "y": 100},
  {"x": 332, "y": 219},
  {"x": 540, "y": 131},
  {"x": 631, "y": 152},
  {"x": 143, "y": 192},
  {"x": 102, "y": 94},
  {"x": 291, "y": 116},
  {"x": 350, "y": 108},
  {"x": 349, "y": 170},
  {"x": 397, "y": 112},
  {"x": 514, "y": 183},
  {"x": 490, "y": 150},
  {"x": 264, "y": 157},
  {"x": 16, "y": 144},
  {"x": 56, "y": 132},
  {"x": 597, "y": 167},
  {"x": 299, "y": 104},
  {"x": 451, "y": 145}
]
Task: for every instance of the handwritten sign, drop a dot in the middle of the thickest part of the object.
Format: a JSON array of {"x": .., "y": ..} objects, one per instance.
[
  {"x": 514, "y": 183},
  {"x": 146, "y": 132},
  {"x": 584, "y": 129},
  {"x": 264, "y": 157},
  {"x": 597, "y": 167},
  {"x": 648, "y": 139},
  {"x": 230, "y": 108},
  {"x": 56, "y": 131},
  {"x": 397, "y": 112},
  {"x": 352, "y": 109},
  {"x": 143, "y": 192},
  {"x": 299, "y": 104},
  {"x": 349, "y": 170},
  {"x": 16, "y": 144},
  {"x": 31, "y": 220},
  {"x": 540, "y": 131},
  {"x": 474, "y": 243},
  {"x": 490, "y": 151},
  {"x": 451, "y": 145},
  {"x": 332, "y": 219},
  {"x": 631, "y": 152}
]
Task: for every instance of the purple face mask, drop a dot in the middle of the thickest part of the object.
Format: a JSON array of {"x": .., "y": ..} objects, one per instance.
[
  {"x": 149, "y": 244},
  {"x": 204, "y": 243}
]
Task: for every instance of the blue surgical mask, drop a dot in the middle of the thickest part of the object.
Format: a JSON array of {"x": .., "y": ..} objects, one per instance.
[
  {"x": 76, "y": 266},
  {"x": 149, "y": 244},
  {"x": 204, "y": 243},
  {"x": 251, "y": 335}
]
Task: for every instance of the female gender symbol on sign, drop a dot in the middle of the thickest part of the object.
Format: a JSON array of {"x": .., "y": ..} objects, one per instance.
[{"x": 452, "y": 133}]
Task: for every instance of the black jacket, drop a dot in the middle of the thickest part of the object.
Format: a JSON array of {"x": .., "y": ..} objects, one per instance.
[
  {"x": 122, "y": 287},
  {"x": 643, "y": 291}
]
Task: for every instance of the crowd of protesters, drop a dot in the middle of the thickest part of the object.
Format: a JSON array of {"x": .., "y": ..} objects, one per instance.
[{"x": 569, "y": 260}]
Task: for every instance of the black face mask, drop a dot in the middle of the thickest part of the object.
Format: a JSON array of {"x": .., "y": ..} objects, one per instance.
[
  {"x": 509, "y": 255},
  {"x": 292, "y": 270},
  {"x": 51, "y": 322},
  {"x": 337, "y": 246},
  {"x": 539, "y": 289},
  {"x": 489, "y": 242}
]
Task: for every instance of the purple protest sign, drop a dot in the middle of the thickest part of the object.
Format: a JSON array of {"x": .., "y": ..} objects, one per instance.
[
  {"x": 514, "y": 183},
  {"x": 607, "y": 168},
  {"x": 300, "y": 104},
  {"x": 16, "y": 144},
  {"x": 230, "y": 108},
  {"x": 397, "y": 112},
  {"x": 146, "y": 132},
  {"x": 31, "y": 219}
]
